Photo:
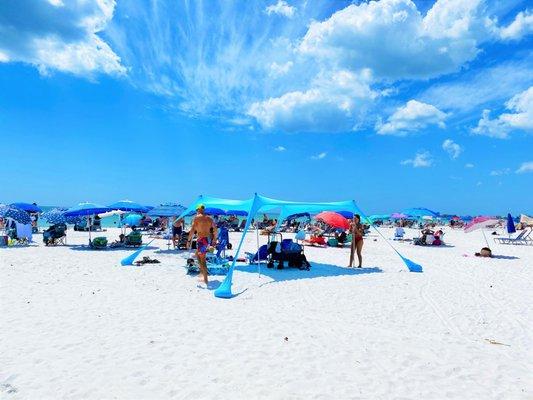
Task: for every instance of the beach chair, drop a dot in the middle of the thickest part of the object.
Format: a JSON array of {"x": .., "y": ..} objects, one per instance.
[
  {"x": 134, "y": 239},
  {"x": 55, "y": 234},
  {"x": 522, "y": 239},
  {"x": 98, "y": 243},
  {"x": 399, "y": 233}
]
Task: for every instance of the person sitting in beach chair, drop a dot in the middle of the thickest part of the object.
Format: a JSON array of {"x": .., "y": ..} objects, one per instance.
[
  {"x": 134, "y": 238},
  {"x": 55, "y": 234}
]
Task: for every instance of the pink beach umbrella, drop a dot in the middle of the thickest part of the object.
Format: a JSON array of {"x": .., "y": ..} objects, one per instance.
[{"x": 480, "y": 223}]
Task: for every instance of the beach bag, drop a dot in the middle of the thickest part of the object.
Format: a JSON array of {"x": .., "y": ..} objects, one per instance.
[
  {"x": 333, "y": 242},
  {"x": 100, "y": 241}
]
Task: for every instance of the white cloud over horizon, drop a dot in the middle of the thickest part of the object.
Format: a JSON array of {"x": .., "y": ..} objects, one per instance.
[{"x": 319, "y": 156}]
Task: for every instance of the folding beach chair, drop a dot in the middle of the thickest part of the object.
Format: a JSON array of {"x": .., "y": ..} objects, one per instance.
[{"x": 522, "y": 239}]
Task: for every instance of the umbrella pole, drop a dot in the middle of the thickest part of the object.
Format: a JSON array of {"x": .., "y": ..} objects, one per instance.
[{"x": 486, "y": 241}]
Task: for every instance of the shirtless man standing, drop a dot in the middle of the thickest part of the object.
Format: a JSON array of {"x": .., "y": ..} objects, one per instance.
[{"x": 204, "y": 226}]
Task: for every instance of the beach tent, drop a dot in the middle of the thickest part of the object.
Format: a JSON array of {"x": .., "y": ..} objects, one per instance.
[{"x": 262, "y": 204}]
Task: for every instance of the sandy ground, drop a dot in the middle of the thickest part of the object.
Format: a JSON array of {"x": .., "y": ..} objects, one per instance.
[{"x": 76, "y": 325}]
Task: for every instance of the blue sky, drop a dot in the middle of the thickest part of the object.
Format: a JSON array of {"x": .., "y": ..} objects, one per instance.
[{"x": 392, "y": 103}]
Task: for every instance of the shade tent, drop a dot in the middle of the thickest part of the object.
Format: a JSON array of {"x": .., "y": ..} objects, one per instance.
[{"x": 262, "y": 204}]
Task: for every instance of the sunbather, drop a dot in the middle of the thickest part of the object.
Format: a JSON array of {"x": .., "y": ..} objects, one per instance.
[{"x": 484, "y": 252}]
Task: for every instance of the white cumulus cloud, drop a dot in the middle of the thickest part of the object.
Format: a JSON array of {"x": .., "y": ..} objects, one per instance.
[
  {"x": 520, "y": 27},
  {"x": 520, "y": 119},
  {"x": 392, "y": 38},
  {"x": 331, "y": 104},
  {"x": 421, "y": 159},
  {"x": 280, "y": 149},
  {"x": 414, "y": 116},
  {"x": 453, "y": 149},
  {"x": 281, "y": 8},
  {"x": 469, "y": 165},
  {"x": 525, "y": 167},
  {"x": 58, "y": 35}
]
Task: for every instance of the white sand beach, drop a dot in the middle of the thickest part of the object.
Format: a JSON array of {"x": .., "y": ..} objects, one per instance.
[{"x": 77, "y": 325}]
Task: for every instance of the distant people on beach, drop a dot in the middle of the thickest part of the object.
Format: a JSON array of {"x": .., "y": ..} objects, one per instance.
[{"x": 177, "y": 231}]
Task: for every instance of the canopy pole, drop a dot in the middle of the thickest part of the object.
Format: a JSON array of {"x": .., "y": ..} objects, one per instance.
[
  {"x": 485, "y": 237},
  {"x": 258, "y": 260}
]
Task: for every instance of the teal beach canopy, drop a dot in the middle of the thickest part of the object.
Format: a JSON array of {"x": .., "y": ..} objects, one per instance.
[{"x": 261, "y": 204}]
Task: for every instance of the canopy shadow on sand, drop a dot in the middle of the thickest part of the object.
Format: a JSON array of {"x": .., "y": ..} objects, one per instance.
[{"x": 317, "y": 270}]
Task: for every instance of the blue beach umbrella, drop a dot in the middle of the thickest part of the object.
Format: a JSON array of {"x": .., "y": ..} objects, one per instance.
[
  {"x": 18, "y": 215},
  {"x": 237, "y": 213},
  {"x": 127, "y": 205},
  {"x": 86, "y": 210},
  {"x": 132, "y": 219},
  {"x": 510, "y": 224},
  {"x": 57, "y": 216},
  {"x": 166, "y": 210},
  {"x": 214, "y": 211},
  {"x": 346, "y": 214},
  {"x": 31, "y": 208},
  {"x": 420, "y": 212}
]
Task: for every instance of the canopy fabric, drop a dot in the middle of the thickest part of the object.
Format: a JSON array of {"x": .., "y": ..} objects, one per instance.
[
  {"x": 31, "y": 208},
  {"x": 376, "y": 217},
  {"x": 166, "y": 210},
  {"x": 128, "y": 205}
]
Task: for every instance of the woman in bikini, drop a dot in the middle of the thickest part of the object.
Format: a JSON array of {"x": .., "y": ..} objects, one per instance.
[{"x": 356, "y": 229}]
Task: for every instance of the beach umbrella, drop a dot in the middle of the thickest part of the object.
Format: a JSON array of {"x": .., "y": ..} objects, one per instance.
[
  {"x": 333, "y": 219},
  {"x": 167, "y": 210},
  {"x": 346, "y": 214},
  {"x": 57, "y": 216},
  {"x": 237, "y": 213},
  {"x": 132, "y": 219},
  {"x": 111, "y": 213},
  {"x": 127, "y": 205},
  {"x": 420, "y": 212},
  {"x": 86, "y": 210},
  {"x": 510, "y": 224},
  {"x": 399, "y": 216},
  {"x": 214, "y": 211},
  {"x": 16, "y": 214},
  {"x": 480, "y": 223},
  {"x": 31, "y": 208}
]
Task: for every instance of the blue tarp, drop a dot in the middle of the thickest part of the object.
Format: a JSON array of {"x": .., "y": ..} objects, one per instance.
[{"x": 262, "y": 204}]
